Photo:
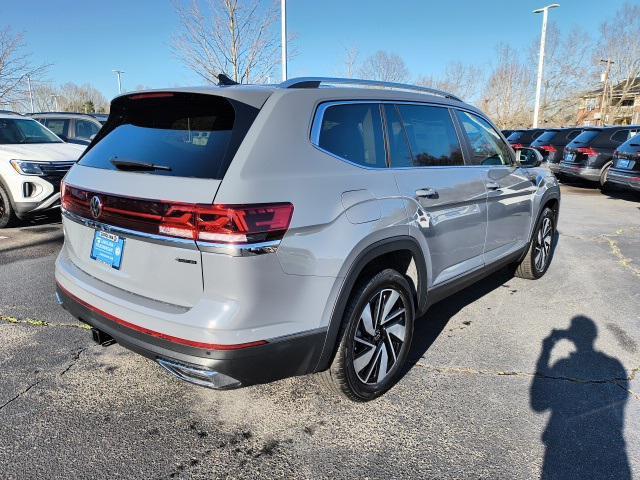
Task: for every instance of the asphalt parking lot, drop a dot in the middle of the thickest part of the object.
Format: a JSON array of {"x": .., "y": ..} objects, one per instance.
[{"x": 487, "y": 396}]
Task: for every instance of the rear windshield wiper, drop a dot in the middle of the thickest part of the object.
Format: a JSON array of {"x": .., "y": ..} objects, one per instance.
[{"x": 138, "y": 166}]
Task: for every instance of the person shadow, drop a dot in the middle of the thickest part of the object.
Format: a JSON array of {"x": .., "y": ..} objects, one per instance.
[{"x": 586, "y": 394}]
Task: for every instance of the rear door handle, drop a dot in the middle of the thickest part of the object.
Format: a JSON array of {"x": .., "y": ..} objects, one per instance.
[
  {"x": 493, "y": 186},
  {"x": 427, "y": 193}
]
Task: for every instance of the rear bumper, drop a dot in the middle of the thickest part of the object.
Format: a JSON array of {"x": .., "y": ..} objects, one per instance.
[
  {"x": 591, "y": 174},
  {"x": 253, "y": 364},
  {"x": 624, "y": 178}
]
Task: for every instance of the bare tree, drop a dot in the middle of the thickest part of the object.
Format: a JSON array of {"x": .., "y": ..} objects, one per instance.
[
  {"x": 507, "y": 94},
  {"x": 568, "y": 72},
  {"x": 15, "y": 67},
  {"x": 69, "y": 98},
  {"x": 465, "y": 81},
  {"x": 384, "y": 66},
  {"x": 350, "y": 62},
  {"x": 236, "y": 37},
  {"x": 619, "y": 43}
]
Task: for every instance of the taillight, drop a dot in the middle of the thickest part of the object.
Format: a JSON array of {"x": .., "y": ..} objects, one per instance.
[
  {"x": 548, "y": 148},
  {"x": 516, "y": 146},
  {"x": 235, "y": 224},
  {"x": 588, "y": 151},
  {"x": 232, "y": 224}
]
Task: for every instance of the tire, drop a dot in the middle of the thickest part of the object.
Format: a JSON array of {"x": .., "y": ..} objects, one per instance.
[
  {"x": 367, "y": 345},
  {"x": 7, "y": 215},
  {"x": 538, "y": 258}
]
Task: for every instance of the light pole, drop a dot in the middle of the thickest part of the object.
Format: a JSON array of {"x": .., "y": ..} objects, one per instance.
[
  {"x": 543, "y": 37},
  {"x": 605, "y": 81},
  {"x": 118, "y": 73},
  {"x": 55, "y": 99},
  {"x": 283, "y": 33},
  {"x": 30, "y": 92}
]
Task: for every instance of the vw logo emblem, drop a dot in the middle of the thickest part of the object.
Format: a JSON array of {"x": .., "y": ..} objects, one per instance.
[{"x": 96, "y": 207}]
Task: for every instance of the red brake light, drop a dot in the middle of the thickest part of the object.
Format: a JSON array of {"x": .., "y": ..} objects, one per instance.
[
  {"x": 232, "y": 224},
  {"x": 516, "y": 146},
  {"x": 140, "y": 96},
  {"x": 548, "y": 148},
  {"x": 590, "y": 152}
]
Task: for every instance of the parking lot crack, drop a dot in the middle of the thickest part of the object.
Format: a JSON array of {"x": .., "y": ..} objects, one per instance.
[
  {"x": 75, "y": 358},
  {"x": 471, "y": 371},
  {"x": 11, "y": 400},
  {"x": 30, "y": 322},
  {"x": 623, "y": 260}
]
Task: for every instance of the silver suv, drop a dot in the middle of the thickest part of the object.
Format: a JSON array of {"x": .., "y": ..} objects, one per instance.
[{"x": 243, "y": 234}]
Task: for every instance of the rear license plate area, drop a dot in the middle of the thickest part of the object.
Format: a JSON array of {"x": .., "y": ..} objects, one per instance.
[{"x": 107, "y": 249}]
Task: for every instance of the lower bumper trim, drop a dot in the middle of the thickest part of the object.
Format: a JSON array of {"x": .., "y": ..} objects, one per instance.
[{"x": 199, "y": 376}]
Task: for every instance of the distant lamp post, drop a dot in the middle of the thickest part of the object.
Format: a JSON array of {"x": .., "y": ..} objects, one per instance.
[
  {"x": 55, "y": 102},
  {"x": 118, "y": 74},
  {"x": 543, "y": 37},
  {"x": 30, "y": 92},
  {"x": 283, "y": 37}
]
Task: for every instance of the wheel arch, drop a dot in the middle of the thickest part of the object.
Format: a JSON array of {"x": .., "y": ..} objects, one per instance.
[{"x": 395, "y": 252}]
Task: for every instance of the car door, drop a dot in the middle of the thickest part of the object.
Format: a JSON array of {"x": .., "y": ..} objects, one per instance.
[
  {"x": 446, "y": 200},
  {"x": 510, "y": 188}
]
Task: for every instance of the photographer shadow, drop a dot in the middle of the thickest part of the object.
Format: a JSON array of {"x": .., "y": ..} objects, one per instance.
[{"x": 586, "y": 394}]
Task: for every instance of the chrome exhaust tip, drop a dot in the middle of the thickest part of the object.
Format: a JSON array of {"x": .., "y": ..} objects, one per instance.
[{"x": 198, "y": 376}]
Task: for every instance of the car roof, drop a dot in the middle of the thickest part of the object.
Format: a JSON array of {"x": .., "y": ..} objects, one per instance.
[
  {"x": 10, "y": 114},
  {"x": 315, "y": 87},
  {"x": 63, "y": 114}
]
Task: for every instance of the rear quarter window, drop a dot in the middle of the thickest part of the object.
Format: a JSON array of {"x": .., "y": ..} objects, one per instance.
[
  {"x": 187, "y": 135},
  {"x": 354, "y": 132}
]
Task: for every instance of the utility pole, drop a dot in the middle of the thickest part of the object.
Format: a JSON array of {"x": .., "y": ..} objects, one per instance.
[
  {"x": 543, "y": 38},
  {"x": 55, "y": 99},
  {"x": 283, "y": 32},
  {"x": 118, "y": 73},
  {"x": 605, "y": 81},
  {"x": 30, "y": 92}
]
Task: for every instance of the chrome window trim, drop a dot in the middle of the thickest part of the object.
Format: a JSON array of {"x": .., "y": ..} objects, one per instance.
[{"x": 247, "y": 250}]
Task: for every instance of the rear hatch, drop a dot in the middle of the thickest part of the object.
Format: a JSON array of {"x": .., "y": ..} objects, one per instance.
[
  {"x": 129, "y": 203},
  {"x": 578, "y": 151},
  {"x": 627, "y": 157},
  {"x": 544, "y": 144}
]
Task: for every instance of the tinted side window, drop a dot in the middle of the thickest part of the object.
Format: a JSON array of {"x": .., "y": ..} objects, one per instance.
[
  {"x": 573, "y": 134},
  {"x": 432, "y": 136},
  {"x": 57, "y": 126},
  {"x": 354, "y": 132},
  {"x": 487, "y": 148},
  {"x": 620, "y": 136},
  {"x": 85, "y": 129},
  {"x": 398, "y": 146}
]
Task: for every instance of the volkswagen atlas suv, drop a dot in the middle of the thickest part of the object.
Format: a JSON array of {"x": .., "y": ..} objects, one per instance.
[
  {"x": 625, "y": 169},
  {"x": 589, "y": 156},
  {"x": 242, "y": 234},
  {"x": 33, "y": 161}
]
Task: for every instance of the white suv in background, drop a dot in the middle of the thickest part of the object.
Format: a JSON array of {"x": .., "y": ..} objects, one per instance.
[{"x": 33, "y": 161}]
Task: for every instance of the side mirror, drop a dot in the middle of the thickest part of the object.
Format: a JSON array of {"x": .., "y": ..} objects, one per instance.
[{"x": 529, "y": 157}]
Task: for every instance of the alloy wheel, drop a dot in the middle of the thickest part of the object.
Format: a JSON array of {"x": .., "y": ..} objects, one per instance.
[
  {"x": 379, "y": 336},
  {"x": 542, "y": 249}
]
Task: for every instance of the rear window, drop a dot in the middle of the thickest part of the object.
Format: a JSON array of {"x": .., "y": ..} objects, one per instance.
[
  {"x": 546, "y": 137},
  {"x": 585, "y": 137},
  {"x": 172, "y": 134},
  {"x": 515, "y": 137}
]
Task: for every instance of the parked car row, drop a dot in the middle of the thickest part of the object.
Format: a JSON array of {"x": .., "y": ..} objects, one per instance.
[{"x": 605, "y": 156}]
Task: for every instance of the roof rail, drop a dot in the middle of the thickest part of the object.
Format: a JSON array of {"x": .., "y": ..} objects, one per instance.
[
  {"x": 62, "y": 113},
  {"x": 315, "y": 82}
]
